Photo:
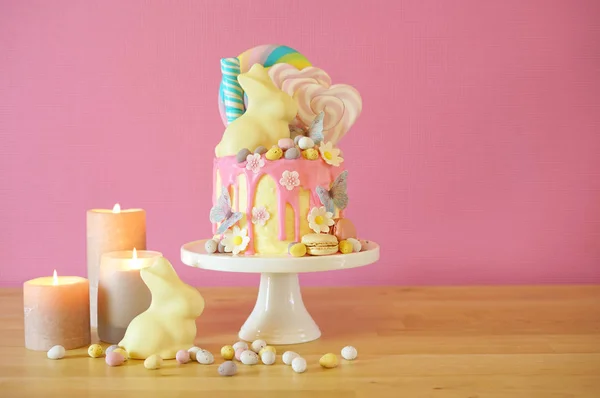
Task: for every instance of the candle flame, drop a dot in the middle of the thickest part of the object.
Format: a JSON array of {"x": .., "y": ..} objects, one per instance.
[
  {"x": 116, "y": 208},
  {"x": 54, "y": 279},
  {"x": 134, "y": 254}
]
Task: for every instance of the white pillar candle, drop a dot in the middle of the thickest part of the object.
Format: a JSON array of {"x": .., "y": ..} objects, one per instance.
[
  {"x": 107, "y": 231},
  {"x": 57, "y": 312},
  {"x": 122, "y": 294}
]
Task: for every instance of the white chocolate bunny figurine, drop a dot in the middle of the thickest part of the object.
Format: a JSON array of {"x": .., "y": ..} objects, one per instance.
[
  {"x": 169, "y": 324},
  {"x": 267, "y": 118}
]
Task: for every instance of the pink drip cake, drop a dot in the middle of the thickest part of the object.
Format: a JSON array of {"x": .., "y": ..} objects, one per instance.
[{"x": 279, "y": 183}]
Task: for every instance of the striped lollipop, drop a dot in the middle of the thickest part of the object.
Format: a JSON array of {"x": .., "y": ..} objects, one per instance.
[
  {"x": 231, "y": 94},
  {"x": 266, "y": 55}
]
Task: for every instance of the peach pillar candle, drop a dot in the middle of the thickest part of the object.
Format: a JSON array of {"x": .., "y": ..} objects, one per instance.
[
  {"x": 122, "y": 294},
  {"x": 107, "y": 231},
  {"x": 57, "y": 311}
]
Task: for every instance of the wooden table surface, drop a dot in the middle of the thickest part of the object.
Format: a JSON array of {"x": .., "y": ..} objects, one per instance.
[{"x": 468, "y": 342}]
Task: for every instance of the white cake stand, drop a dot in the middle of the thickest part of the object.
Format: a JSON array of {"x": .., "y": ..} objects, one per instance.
[{"x": 279, "y": 316}]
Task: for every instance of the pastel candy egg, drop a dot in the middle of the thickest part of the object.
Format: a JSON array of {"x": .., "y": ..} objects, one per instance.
[
  {"x": 249, "y": 357},
  {"x": 204, "y": 357},
  {"x": 193, "y": 351},
  {"x": 306, "y": 143},
  {"x": 289, "y": 356},
  {"x": 328, "y": 361},
  {"x": 299, "y": 365},
  {"x": 364, "y": 244},
  {"x": 260, "y": 150},
  {"x": 153, "y": 362},
  {"x": 297, "y": 138},
  {"x": 346, "y": 247},
  {"x": 95, "y": 351},
  {"x": 349, "y": 353},
  {"x": 221, "y": 248},
  {"x": 344, "y": 229},
  {"x": 310, "y": 154},
  {"x": 111, "y": 348},
  {"x": 267, "y": 357},
  {"x": 242, "y": 155},
  {"x": 239, "y": 352},
  {"x": 240, "y": 344},
  {"x": 56, "y": 352},
  {"x": 298, "y": 250},
  {"x": 114, "y": 359},
  {"x": 285, "y": 143},
  {"x": 122, "y": 351},
  {"x": 356, "y": 246},
  {"x": 292, "y": 153},
  {"x": 227, "y": 368},
  {"x": 227, "y": 352},
  {"x": 268, "y": 348},
  {"x": 211, "y": 246},
  {"x": 258, "y": 345},
  {"x": 182, "y": 356},
  {"x": 274, "y": 153}
]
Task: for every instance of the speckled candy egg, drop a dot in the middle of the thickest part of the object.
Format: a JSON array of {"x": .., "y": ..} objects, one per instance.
[
  {"x": 356, "y": 246},
  {"x": 349, "y": 353},
  {"x": 268, "y": 348},
  {"x": 228, "y": 368},
  {"x": 122, "y": 351},
  {"x": 297, "y": 249},
  {"x": 274, "y": 153},
  {"x": 310, "y": 154},
  {"x": 346, "y": 247},
  {"x": 329, "y": 361},
  {"x": 297, "y": 138},
  {"x": 95, "y": 351},
  {"x": 227, "y": 352},
  {"x": 289, "y": 356},
  {"x": 211, "y": 246},
  {"x": 268, "y": 357},
  {"x": 292, "y": 153},
  {"x": 306, "y": 143},
  {"x": 344, "y": 229},
  {"x": 114, "y": 359},
  {"x": 260, "y": 150},
  {"x": 56, "y": 352},
  {"x": 238, "y": 353},
  {"x": 153, "y": 362},
  {"x": 182, "y": 356},
  {"x": 249, "y": 357},
  {"x": 258, "y": 345},
  {"x": 240, "y": 344},
  {"x": 111, "y": 348},
  {"x": 205, "y": 357},
  {"x": 221, "y": 248},
  {"x": 285, "y": 143},
  {"x": 364, "y": 244},
  {"x": 242, "y": 155},
  {"x": 193, "y": 350},
  {"x": 299, "y": 365}
]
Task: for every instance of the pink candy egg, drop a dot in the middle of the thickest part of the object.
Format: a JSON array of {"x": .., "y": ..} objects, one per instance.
[
  {"x": 182, "y": 356},
  {"x": 238, "y": 353},
  {"x": 285, "y": 143},
  {"x": 114, "y": 359}
]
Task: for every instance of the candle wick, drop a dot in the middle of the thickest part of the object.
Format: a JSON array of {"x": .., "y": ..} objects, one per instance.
[{"x": 54, "y": 279}]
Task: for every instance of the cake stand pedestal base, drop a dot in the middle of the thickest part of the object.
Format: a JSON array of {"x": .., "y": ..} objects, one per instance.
[{"x": 279, "y": 316}]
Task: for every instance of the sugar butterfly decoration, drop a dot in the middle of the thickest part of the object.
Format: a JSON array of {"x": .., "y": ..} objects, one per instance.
[
  {"x": 223, "y": 213},
  {"x": 336, "y": 196},
  {"x": 315, "y": 130}
]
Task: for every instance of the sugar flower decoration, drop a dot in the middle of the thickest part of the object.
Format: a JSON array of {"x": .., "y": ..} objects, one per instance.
[
  {"x": 290, "y": 179},
  {"x": 330, "y": 154},
  {"x": 319, "y": 219},
  {"x": 260, "y": 215},
  {"x": 236, "y": 240},
  {"x": 254, "y": 162}
]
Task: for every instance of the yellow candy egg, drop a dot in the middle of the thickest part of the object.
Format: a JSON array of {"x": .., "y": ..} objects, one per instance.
[
  {"x": 267, "y": 348},
  {"x": 227, "y": 352},
  {"x": 310, "y": 154},
  {"x": 274, "y": 153},
  {"x": 329, "y": 361},
  {"x": 298, "y": 250},
  {"x": 122, "y": 352},
  {"x": 346, "y": 247},
  {"x": 95, "y": 351}
]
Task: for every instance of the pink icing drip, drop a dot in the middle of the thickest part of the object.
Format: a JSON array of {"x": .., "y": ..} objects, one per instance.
[{"x": 312, "y": 173}]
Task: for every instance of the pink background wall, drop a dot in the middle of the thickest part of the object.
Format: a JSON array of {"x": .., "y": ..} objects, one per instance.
[{"x": 476, "y": 158}]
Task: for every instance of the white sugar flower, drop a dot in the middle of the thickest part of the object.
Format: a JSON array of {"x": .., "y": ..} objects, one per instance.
[
  {"x": 330, "y": 154},
  {"x": 254, "y": 162},
  {"x": 235, "y": 240},
  {"x": 290, "y": 179},
  {"x": 260, "y": 215},
  {"x": 319, "y": 219}
]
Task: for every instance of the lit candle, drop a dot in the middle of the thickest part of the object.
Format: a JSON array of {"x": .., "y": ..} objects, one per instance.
[
  {"x": 107, "y": 231},
  {"x": 122, "y": 294},
  {"x": 57, "y": 312}
]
